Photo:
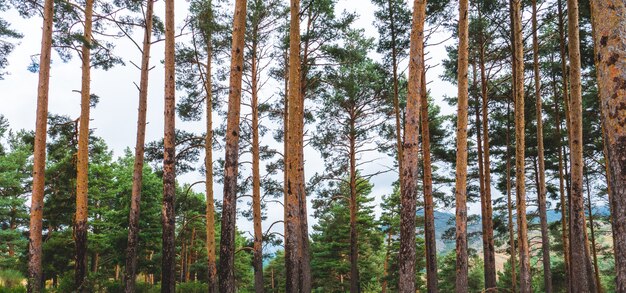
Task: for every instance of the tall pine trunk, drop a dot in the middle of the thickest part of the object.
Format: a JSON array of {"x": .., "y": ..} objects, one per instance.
[
  {"x": 541, "y": 188},
  {"x": 396, "y": 99},
  {"x": 429, "y": 208},
  {"x": 609, "y": 27},
  {"x": 82, "y": 168},
  {"x": 461, "y": 152},
  {"x": 35, "y": 271},
  {"x": 231, "y": 160},
  {"x": 488, "y": 241},
  {"x": 294, "y": 187},
  {"x": 257, "y": 261},
  {"x": 168, "y": 215},
  {"x": 208, "y": 165},
  {"x": 592, "y": 229},
  {"x": 520, "y": 186},
  {"x": 406, "y": 255},
  {"x": 579, "y": 257},
  {"x": 355, "y": 285},
  {"x": 509, "y": 204},
  {"x": 135, "y": 200}
]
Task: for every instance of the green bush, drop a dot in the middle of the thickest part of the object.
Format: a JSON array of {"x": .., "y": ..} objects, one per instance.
[
  {"x": 10, "y": 279},
  {"x": 192, "y": 287},
  {"x": 19, "y": 289}
]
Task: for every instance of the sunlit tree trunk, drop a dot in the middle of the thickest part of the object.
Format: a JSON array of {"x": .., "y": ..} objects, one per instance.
[
  {"x": 461, "y": 152},
  {"x": 520, "y": 186},
  {"x": 509, "y": 204},
  {"x": 610, "y": 51},
  {"x": 579, "y": 257},
  {"x": 231, "y": 161},
  {"x": 429, "y": 208},
  {"x": 208, "y": 165},
  {"x": 168, "y": 215},
  {"x": 541, "y": 188},
  {"x": 82, "y": 166},
  {"x": 35, "y": 271},
  {"x": 257, "y": 261},
  {"x": 406, "y": 255},
  {"x": 135, "y": 199}
]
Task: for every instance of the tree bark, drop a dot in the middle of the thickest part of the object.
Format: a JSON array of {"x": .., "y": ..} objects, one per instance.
[
  {"x": 488, "y": 241},
  {"x": 231, "y": 160},
  {"x": 429, "y": 208},
  {"x": 396, "y": 99},
  {"x": 35, "y": 271},
  {"x": 355, "y": 286},
  {"x": 609, "y": 26},
  {"x": 385, "y": 281},
  {"x": 208, "y": 165},
  {"x": 510, "y": 202},
  {"x": 592, "y": 228},
  {"x": 168, "y": 215},
  {"x": 82, "y": 170},
  {"x": 520, "y": 186},
  {"x": 461, "y": 152},
  {"x": 406, "y": 255},
  {"x": 293, "y": 227},
  {"x": 135, "y": 199},
  {"x": 541, "y": 188},
  {"x": 580, "y": 279},
  {"x": 257, "y": 261}
]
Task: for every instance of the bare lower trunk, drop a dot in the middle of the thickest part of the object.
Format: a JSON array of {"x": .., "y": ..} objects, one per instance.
[
  {"x": 541, "y": 184},
  {"x": 35, "y": 271},
  {"x": 510, "y": 204},
  {"x": 135, "y": 200},
  {"x": 168, "y": 216},
  {"x": 461, "y": 152},
  {"x": 594, "y": 253},
  {"x": 429, "y": 208},
  {"x": 257, "y": 261},
  {"x": 231, "y": 161},
  {"x": 355, "y": 285},
  {"x": 80, "y": 222},
  {"x": 406, "y": 255},
  {"x": 609, "y": 32},
  {"x": 386, "y": 264},
  {"x": 396, "y": 99}
]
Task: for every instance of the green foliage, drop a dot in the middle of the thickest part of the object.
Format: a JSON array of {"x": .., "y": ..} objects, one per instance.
[
  {"x": 11, "y": 280},
  {"x": 447, "y": 273}
]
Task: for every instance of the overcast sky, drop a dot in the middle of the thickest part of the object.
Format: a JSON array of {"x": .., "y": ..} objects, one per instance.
[{"x": 114, "y": 119}]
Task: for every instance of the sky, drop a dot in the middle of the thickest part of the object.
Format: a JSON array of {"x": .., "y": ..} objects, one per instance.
[{"x": 115, "y": 117}]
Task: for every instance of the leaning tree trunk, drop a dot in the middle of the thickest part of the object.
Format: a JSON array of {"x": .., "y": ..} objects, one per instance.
[
  {"x": 461, "y": 152},
  {"x": 231, "y": 160},
  {"x": 82, "y": 168},
  {"x": 168, "y": 215},
  {"x": 257, "y": 261},
  {"x": 35, "y": 271},
  {"x": 208, "y": 165},
  {"x": 488, "y": 241},
  {"x": 520, "y": 186},
  {"x": 429, "y": 208},
  {"x": 135, "y": 199},
  {"x": 579, "y": 257},
  {"x": 541, "y": 200},
  {"x": 610, "y": 33},
  {"x": 406, "y": 255}
]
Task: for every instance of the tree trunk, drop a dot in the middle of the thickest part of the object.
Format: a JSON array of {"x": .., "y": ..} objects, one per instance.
[
  {"x": 231, "y": 160},
  {"x": 594, "y": 253},
  {"x": 135, "y": 200},
  {"x": 520, "y": 186},
  {"x": 293, "y": 227},
  {"x": 609, "y": 24},
  {"x": 82, "y": 170},
  {"x": 406, "y": 255},
  {"x": 396, "y": 99},
  {"x": 208, "y": 166},
  {"x": 461, "y": 152},
  {"x": 355, "y": 286},
  {"x": 488, "y": 242},
  {"x": 168, "y": 215},
  {"x": 257, "y": 261},
  {"x": 429, "y": 208},
  {"x": 35, "y": 271},
  {"x": 579, "y": 257},
  {"x": 541, "y": 188},
  {"x": 385, "y": 281},
  {"x": 510, "y": 202}
]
